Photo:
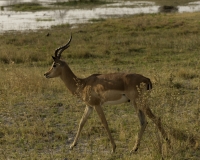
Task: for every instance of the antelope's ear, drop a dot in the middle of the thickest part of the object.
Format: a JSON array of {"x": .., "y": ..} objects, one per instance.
[{"x": 54, "y": 58}]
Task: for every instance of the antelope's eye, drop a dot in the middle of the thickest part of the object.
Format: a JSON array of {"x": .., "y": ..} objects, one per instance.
[{"x": 54, "y": 65}]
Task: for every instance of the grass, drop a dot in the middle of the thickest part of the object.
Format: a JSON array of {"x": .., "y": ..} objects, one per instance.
[
  {"x": 34, "y": 6},
  {"x": 81, "y": 3},
  {"x": 45, "y": 19},
  {"x": 39, "y": 117},
  {"x": 172, "y": 3},
  {"x": 28, "y": 7}
]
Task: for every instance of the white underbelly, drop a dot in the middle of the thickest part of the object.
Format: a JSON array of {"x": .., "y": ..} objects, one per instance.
[{"x": 123, "y": 99}]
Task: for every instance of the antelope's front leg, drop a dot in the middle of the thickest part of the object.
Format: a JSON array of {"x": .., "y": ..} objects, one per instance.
[
  {"x": 104, "y": 121},
  {"x": 84, "y": 118}
]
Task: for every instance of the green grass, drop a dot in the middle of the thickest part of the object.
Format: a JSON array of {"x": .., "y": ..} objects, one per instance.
[
  {"x": 45, "y": 19},
  {"x": 34, "y": 6},
  {"x": 28, "y": 7},
  {"x": 39, "y": 117},
  {"x": 173, "y": 3},
  {"x": 82, "y": 3}
]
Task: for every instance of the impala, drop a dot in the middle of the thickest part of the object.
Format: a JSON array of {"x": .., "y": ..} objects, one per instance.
[{"x": 105, "y": 89}]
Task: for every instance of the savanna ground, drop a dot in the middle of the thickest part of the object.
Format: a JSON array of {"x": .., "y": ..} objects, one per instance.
[{"x": 39, "y": 117}]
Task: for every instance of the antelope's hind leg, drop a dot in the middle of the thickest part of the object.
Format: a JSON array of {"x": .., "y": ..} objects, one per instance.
[
  {"x": 84, "y": 118},
  {"x": 143, "y": 124},
  {"x": 157, "y": 122}
]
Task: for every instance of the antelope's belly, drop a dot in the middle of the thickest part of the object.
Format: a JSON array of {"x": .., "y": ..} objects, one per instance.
[{"x": 120, "y": 100}]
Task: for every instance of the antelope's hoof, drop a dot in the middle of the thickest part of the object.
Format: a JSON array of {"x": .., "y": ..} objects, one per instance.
[
  {"x": 72, "y": 146},
  {"x": 168, "y": 142},
  {"x": 134, "y": 150},
  {"x": 113, "y": 150}
]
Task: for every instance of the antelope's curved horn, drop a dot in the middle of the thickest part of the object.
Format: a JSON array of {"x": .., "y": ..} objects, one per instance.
[{"x": 59, "y": 50}]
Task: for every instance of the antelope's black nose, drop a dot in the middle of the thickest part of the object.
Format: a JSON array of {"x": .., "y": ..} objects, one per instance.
[{"x": 46, "y": 75}]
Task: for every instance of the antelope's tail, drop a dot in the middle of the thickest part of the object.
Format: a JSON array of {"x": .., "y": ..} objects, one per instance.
[{"x": 149, "y": 85}]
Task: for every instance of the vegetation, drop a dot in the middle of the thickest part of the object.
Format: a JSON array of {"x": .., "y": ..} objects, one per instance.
[
  {"x": 28, "y": 7},
  {"x": 81, "y": 3},
  {"x": 39, "y": 117},
  {"x": 171, "y": 2},
  {"x": 35, "y": 6}
]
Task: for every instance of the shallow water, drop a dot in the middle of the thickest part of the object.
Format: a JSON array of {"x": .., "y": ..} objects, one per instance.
[
  {"x": 191, "y": 7},
  {"x": 15, "y": 21}
]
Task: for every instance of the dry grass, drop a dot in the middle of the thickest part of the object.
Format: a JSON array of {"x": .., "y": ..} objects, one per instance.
[{"x": 39, "y": 117}]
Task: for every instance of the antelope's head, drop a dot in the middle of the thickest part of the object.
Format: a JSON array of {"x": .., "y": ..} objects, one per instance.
[{"x": 57, "y": 66}]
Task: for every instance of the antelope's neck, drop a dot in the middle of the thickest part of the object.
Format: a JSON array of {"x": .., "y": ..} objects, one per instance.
[{"x": 71, "y": 81}]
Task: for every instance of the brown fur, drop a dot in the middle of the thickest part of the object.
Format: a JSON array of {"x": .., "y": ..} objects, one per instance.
[{"x": 99, "y": 89}]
